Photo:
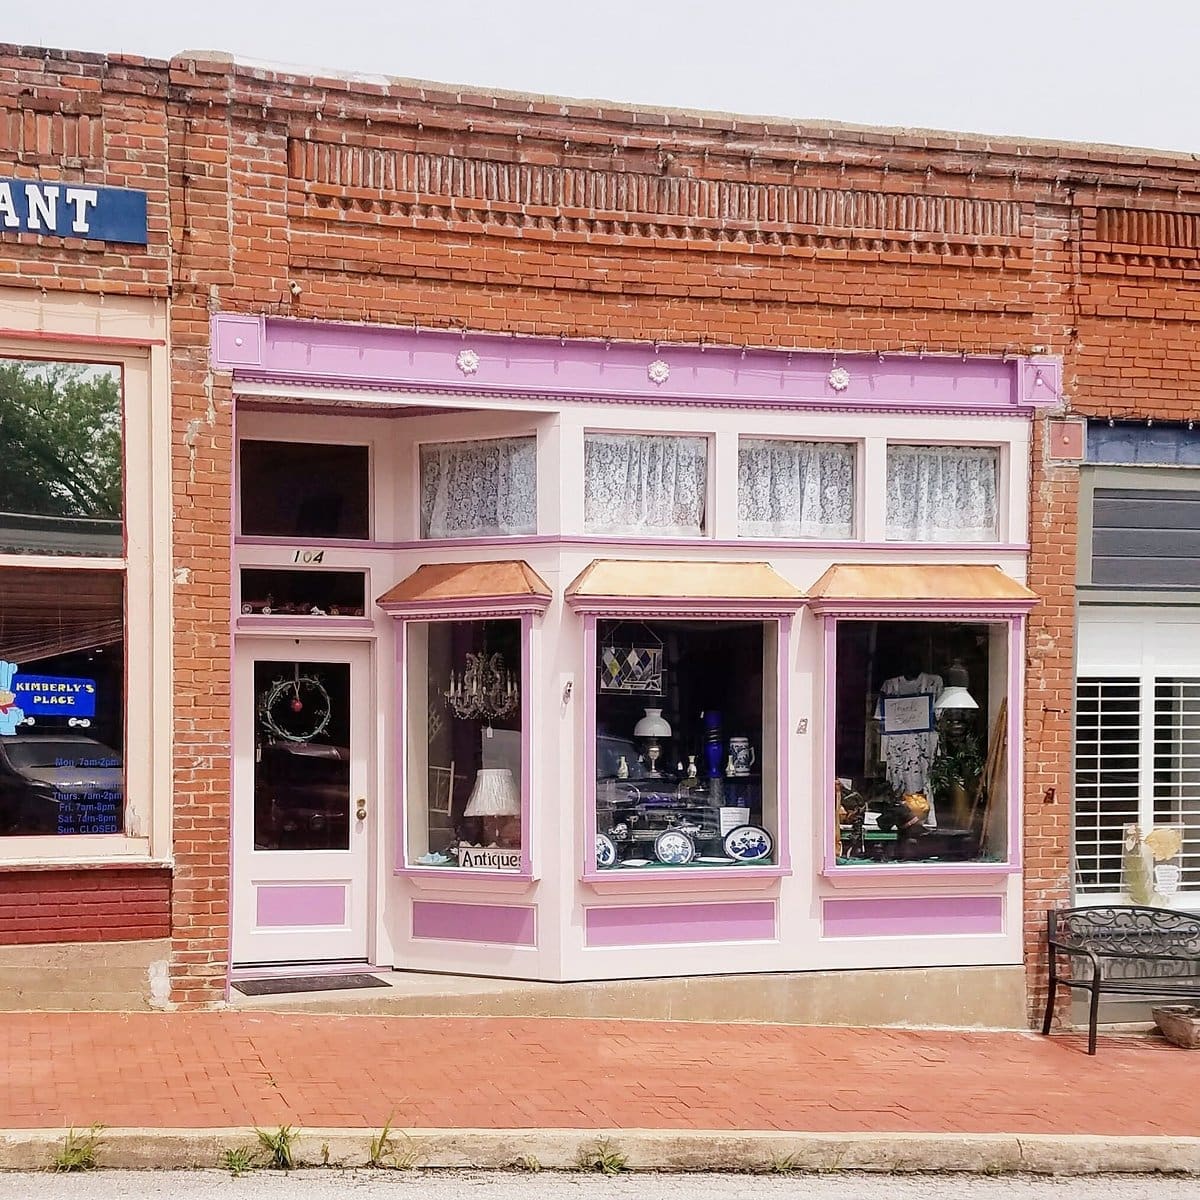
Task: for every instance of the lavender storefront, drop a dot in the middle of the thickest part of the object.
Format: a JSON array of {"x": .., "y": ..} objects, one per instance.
[{"x": 569, "y": 660}]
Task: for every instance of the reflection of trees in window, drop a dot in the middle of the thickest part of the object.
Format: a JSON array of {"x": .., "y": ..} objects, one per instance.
[{"x": 60, "y": 425}]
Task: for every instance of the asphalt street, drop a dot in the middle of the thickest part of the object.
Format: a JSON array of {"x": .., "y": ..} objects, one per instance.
[{"x": 472, "y": 1185}]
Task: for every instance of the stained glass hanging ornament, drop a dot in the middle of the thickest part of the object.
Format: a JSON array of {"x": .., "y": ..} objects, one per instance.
[{"x": 632, "y": 661}]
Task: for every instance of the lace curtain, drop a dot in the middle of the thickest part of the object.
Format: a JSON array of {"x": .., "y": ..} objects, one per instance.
[
  {"x": 942, "y": 493},
  {"x": 639, "y": 483},
  {"x": 479, "y": 489},
  {"x": 795, "y": 489}
]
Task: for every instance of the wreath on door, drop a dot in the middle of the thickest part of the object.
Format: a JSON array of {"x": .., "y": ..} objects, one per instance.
[{"x": 296, "y": 709}]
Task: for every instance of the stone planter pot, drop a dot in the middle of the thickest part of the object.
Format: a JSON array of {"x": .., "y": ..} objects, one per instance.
[{"x": 1180, "y": 1023}]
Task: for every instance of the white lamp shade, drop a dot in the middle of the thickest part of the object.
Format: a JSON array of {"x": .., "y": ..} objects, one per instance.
[
  {"x": 954, "y": 698},
  {"x": 652, "y": 725},
  {"x": 494, "y": 794}
]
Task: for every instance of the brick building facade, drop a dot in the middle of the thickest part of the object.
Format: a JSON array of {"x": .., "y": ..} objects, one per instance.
[{"x": 402, "y": 205}]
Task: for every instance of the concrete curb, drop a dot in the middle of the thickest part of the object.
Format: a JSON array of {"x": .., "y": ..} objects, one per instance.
[{"x": 643, "y": 1150}]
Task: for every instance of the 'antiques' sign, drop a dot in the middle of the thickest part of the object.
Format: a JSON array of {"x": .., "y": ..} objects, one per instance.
[
  {"x": 489, "y": 856},
  {"x": 71, "y": 210}
]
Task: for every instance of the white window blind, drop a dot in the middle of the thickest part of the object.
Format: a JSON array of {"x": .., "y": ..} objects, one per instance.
[
  {"x": 1107, "y": 776},
  {"x": 1177, "y": 768},
  {"x": 1137, "y": 761}
]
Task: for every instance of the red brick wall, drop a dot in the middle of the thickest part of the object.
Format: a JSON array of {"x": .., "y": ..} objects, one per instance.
[
  {"x": 101, "y": 121},
  {"x": 112, "y": 904},
  {"x": 404, "y": 204}
]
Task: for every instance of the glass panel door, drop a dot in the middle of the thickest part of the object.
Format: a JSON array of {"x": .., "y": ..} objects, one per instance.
[{"x": 302, "y": 805}]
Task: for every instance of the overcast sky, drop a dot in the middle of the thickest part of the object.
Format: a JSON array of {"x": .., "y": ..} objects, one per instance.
[{"x": 1123, "y": 71}]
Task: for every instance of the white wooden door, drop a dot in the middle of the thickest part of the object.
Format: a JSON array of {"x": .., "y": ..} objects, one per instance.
[{"x": 302, "y": 805}]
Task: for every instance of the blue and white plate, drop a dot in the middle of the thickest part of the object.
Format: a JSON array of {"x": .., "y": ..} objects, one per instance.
[
  {"x": 674, "y": 848},
  {"x": 606, "y": 852},
  {"x": 748, "y": 843}
]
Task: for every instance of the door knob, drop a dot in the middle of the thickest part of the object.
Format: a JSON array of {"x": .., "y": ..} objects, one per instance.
[{"x": 361, "y": 814}]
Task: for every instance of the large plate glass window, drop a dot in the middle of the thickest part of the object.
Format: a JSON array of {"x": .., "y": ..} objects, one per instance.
[
  {"x": 648, "y": 484},
  {"x": 62, "y": 701},
  {"x": 62, "y": 467},
  {"x": 943, "y": 493},
  {"x": 301, "y": 489},
  {"x": 464, "y": 781},
  {"x": 686, "y": 744},
  {"x": 479, "y": 488},
  {"x": 920, "y": 743},
  {"x": 794, "y": 489}
]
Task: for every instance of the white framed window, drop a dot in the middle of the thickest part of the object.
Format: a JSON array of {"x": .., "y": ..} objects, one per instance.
[
  {"x": 795, "y": 489},
  {"x": 482, "y": 488},
  {"x": 943, "y": 493},
  {"x": 649, "y": 484}
]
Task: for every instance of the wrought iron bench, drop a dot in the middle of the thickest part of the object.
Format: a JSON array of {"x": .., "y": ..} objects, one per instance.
[{"x": 1122, "y": 949}]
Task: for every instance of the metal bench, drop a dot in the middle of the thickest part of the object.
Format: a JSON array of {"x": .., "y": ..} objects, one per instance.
[{"x": 1122, "y": 949}]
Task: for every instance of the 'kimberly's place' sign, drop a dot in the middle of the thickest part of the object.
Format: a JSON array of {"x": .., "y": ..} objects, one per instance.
[{"x": 71, "y": 210}]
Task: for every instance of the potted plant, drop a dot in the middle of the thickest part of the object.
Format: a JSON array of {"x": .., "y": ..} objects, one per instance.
[{"x": 954, "y": 773}]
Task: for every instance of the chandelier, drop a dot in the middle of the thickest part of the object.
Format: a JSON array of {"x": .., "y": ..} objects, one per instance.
[{"x": 484, "y": 690}]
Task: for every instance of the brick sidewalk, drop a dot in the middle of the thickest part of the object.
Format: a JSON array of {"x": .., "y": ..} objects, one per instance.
[{"x": 207, "y": 1070}]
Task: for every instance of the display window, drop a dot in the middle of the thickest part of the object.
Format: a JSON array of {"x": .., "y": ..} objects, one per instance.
[
  {"x": 465, "y": 769},
  {"x": 648, "y": 484},
  {"x": 686, "y": 744},
  {"x": 920, "y": 742},
  {"x": 62, "y": 702},
  {"x": 943, "y": 493}
]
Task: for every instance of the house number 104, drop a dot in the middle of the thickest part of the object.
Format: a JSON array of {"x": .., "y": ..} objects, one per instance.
[{"x": 309, "y": 556}]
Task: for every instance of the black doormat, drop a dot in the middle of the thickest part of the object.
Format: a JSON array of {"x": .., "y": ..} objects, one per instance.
[{"x": 307, "y": 983}]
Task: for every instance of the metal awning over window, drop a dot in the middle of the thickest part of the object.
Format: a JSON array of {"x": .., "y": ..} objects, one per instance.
[
  {"x": 505, "y": 587},
  {"x": 609, "y": 584},
  {"x": 852, "y": 586}
]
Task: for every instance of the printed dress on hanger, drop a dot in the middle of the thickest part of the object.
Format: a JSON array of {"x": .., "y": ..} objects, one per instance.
[{"x": 908, "y": 755}]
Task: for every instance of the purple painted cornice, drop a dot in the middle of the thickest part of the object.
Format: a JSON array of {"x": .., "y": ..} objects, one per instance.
[{"x": 372, "y": 358}]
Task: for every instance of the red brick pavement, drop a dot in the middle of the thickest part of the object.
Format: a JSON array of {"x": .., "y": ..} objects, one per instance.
[{"x": 199, "y": 1070}]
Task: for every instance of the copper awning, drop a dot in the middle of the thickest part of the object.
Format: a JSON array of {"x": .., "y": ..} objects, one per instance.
[
  {"x": 509, "y": 585},
  {"x": 607, "y": 582},
  {"x": 851, "y": 584}
]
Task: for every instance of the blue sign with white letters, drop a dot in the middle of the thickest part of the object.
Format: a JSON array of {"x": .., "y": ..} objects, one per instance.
[
  {"x": 55, "y": 696},
  {"x": 73, "y": 210}
]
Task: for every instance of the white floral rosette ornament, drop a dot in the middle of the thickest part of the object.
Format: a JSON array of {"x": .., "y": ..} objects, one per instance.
[
  {"x": 467, "y": 362},
  {"x": 658, "y": 372},
  {"x": 839, "y": 379}
]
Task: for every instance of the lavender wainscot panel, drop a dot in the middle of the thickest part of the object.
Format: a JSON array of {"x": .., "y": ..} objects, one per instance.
[
  {"x": 908, "y": 916},
  {"x": 501, "y": 924},
  {"x": 292, "y": 905},
  {"x": 674, "y": 924}
]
